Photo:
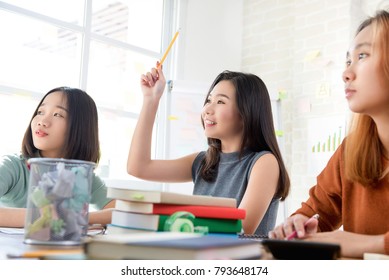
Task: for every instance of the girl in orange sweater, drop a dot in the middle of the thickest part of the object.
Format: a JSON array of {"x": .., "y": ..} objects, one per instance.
[{"x": 353, "y": 189}]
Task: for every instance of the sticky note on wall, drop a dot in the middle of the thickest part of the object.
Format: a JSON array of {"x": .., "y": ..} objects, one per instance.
[
  {"x": 172, "y": 118},
  {"x": 311, "y": 56}
]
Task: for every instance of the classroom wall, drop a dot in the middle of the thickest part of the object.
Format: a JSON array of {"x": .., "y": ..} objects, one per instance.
[{"x": 210, "y": 39}]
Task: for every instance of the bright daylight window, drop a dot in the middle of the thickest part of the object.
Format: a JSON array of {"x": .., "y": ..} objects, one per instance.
[{"x": 101, "y": 46}]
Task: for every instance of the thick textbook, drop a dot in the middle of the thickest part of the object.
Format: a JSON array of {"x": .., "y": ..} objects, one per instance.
[
  {"x": 217, "y": 212},
  {"x": 156, "y": 222},
  {"x": 151, "y": 246},
  {"x": 169, "y": 197}
]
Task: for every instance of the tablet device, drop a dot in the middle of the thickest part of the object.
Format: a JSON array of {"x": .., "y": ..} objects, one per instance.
[{"x": 301, "y": 250}]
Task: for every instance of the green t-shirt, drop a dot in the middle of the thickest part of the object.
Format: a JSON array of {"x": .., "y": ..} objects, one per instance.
[{"x": 14, "y": 177}]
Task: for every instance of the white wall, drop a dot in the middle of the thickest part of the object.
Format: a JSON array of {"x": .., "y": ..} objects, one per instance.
[{"x": 210, "y": 38}]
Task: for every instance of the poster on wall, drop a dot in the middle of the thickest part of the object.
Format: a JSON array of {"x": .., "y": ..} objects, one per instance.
[{"x": 324, "y": 137}]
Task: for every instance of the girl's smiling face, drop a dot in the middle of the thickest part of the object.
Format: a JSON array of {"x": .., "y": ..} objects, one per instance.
[{"x": 221, "y": 117}]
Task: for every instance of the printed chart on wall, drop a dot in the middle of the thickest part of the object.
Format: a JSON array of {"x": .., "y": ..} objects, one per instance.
[{"x": 324, "y": 137}]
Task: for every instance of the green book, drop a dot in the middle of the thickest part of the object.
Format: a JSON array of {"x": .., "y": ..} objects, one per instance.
[
  {"x": 154, "y": 222},
  {"x": 214, "y": 225}
]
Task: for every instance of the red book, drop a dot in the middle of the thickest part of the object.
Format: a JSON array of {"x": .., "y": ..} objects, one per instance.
[{"x": 217, "y": 212}]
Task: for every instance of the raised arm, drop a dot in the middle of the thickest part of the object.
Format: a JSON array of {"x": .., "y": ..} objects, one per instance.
[{"x": 139, "y": 163}]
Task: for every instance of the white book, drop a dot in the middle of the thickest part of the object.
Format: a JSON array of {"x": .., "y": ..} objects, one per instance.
[
  {"x": 135, "y": 220},
  {"x": 133, "y": 206},
  {"x": 169, "y": 197},
  {"x": 133, "y": 184}
]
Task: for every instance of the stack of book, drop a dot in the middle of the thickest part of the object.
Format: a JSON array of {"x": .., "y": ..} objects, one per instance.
[{"x": 148, "y": 210}]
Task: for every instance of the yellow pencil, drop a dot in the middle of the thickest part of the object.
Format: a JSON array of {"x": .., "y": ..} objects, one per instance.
[
  {"x": 168, "y": 49},
  {"x": 43, "y": 253}
]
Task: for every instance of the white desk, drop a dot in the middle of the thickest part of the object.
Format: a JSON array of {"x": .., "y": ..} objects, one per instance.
[{"x": 11, "y": 244}]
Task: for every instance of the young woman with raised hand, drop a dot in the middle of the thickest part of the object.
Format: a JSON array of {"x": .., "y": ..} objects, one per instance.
[{"x": 243, "y": 160}]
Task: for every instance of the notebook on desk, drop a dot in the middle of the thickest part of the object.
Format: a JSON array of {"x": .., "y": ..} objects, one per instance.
[{"x": 257, "y": 237}]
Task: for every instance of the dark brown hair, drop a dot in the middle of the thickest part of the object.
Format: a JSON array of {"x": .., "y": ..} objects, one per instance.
[
  {"x": 82, "y": 136},
  {"x": 254, "y": 106}
]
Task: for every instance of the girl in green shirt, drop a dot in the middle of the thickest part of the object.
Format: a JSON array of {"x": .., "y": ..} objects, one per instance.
[{"x": 64, "y": 125}]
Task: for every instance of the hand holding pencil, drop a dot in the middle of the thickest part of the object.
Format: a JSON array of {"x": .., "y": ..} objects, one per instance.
[
  {"x": 294, "y": 234},
  {"x": 159, "y": 64},
  {"x": 153, "y": 82},
  {"x": 295, "y": 226}
]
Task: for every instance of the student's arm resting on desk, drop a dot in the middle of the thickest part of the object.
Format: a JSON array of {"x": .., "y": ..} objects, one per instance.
[
  {"x": 102, "y": 216},
  {"x": 12, "y": 217},
  {"x": 326, "y": 199},
  {"x": 15, "y": 217},
  {"x": 353, "y": 245},
  {"x": 260, "y": 190},
  {"x": 139, "y": 163}
]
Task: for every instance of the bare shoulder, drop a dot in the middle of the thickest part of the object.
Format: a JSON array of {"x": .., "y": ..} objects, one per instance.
[
  {"x": 267, "y": 159},
  {"x": 266, "y": 164}
]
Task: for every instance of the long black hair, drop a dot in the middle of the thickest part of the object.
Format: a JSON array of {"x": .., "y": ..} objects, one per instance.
[{"x": 254, "y": 106}]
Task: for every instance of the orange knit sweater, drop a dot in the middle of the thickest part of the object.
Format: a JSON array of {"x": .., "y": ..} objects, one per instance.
[{"x": 359, "y": 209}]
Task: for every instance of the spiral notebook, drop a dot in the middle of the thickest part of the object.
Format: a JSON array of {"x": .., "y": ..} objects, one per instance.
[{"x": 257, "y": 237}]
